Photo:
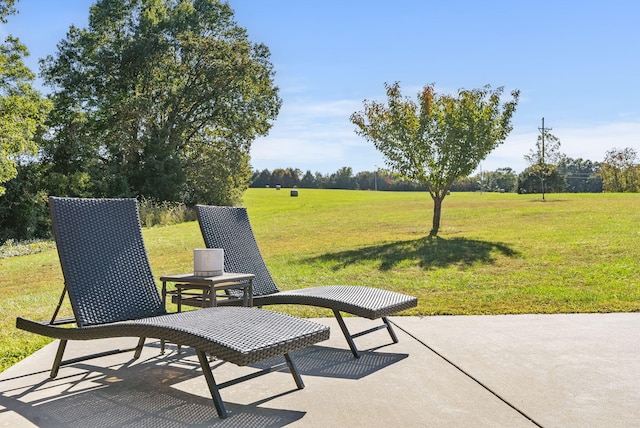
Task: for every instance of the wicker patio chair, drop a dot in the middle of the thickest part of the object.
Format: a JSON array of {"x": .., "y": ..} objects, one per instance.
[
  {"x": 230, "y": 228},
  {"x": 113, "y": 294}
]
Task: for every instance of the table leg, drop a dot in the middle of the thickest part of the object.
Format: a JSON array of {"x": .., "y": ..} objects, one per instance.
[
  {"x": 212, "y": 296},
  {"x": 164, "y": 303}
]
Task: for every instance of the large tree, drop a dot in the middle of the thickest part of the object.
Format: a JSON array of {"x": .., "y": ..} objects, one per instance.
[
  {"x": 438, "y": 139},
  {"x": 160, "y": 98},
  {"x": 22, "y": 108}
]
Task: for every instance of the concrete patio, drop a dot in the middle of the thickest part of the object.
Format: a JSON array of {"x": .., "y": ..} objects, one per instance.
[{"x": 463, "y": 371}]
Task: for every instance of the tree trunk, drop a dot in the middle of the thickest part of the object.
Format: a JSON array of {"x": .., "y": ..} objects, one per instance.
[{"x": 437, "y": 209}]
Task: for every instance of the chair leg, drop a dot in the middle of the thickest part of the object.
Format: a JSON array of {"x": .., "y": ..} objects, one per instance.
[
  {"x": 139, "y": 348},
  {"x": 211, "y": 383},
  {"x": 294, "y": 371},
  {"x": 58, "y": 360},
  {"x": 390, "y": 329},
  {"x": 347, "y": 335}
]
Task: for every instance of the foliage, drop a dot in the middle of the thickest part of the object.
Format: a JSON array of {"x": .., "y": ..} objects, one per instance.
[
  {"x": 620, "y": 171},
  {"x": 439, "y": 139},
  {"x": 6, "y": 8},
  {"x": 22, "y": 108},
  {"x": 34, "y": 220},
  {"x": 10, "y": 248},
  {"x": 571, "y": 175},
  {"x": 153, "y": 213},
  {"x": 531, "y": 181},
  {"x": 580, "y": 175},
  {"x": 308, "y": 180},
  {"x": 24, "y": 213},
  {"x": 158, "y": 98},
  {"x": 284, "y": 177},
  {"x": 343, "y": 178},
  {"x": 22, "y": 111},
  {"x": 500, "y": 180},
  {"x": 543, "y": 161}
]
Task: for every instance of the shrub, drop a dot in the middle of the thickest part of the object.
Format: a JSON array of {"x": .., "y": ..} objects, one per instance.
[{"x": 154, "y": 213}]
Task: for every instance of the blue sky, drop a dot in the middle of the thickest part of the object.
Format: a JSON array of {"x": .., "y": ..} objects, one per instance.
[{"x": 576, "y": 64}]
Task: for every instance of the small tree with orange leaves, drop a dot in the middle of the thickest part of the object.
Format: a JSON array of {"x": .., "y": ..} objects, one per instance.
[{"x": 438, "y": 139}]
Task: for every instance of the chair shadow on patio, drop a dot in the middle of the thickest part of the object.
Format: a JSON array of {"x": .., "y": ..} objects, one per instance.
[
  {"x": 324, "y": 361},
  {"x": 127, "y": 392},
  {"x": 426, "y": 252}
]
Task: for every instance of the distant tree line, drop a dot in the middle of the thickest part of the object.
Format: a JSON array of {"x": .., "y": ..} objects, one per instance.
[
  {"x": 620, "y": 172},
  {"x": 570, "y": 175},
  {"x": 344, "y": 178}
]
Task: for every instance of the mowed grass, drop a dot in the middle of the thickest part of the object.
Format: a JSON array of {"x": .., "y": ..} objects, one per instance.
[{"x": 495, "y": 254}]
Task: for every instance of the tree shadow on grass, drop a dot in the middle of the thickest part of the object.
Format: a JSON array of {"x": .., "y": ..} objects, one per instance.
[{"x": 427, "y": 252}]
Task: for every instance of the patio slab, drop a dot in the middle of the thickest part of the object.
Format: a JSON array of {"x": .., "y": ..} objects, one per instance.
[
  {"x": 572, "y": 370},
  {"x": 486, "y": 371}
]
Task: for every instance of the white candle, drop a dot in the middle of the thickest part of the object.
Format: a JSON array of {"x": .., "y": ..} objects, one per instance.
[{"x": 208, "y": 261}]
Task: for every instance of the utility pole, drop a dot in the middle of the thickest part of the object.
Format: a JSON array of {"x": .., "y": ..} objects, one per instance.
[
  {"x": 375, "y": 178},
  {"x": 543, "y": 166}
]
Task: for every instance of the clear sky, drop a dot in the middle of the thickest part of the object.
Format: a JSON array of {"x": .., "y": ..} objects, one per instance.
[{"x": 576, "y": 63}]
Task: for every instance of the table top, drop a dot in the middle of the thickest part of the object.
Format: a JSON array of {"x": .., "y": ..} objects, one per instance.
[{"x": 192, "y": 279}]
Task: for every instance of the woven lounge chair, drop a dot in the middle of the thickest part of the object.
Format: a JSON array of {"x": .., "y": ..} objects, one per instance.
[
  {"x": 229, "y": 228},
  {"x": 113, "y": 294}
]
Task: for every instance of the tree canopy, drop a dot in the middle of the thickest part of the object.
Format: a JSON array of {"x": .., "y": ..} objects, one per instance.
[
  {"x": 22, "y": 108},
  {"x": 620, "y": 170},
  {"x": 157, "y": 98},
  {"x": 7, "y": 7},
  {"x": 544, "y": 159},
  {"x": 438, "y": 139}
]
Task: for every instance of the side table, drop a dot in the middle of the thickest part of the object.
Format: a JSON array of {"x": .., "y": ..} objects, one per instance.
[{"x": 203, "y": 291}]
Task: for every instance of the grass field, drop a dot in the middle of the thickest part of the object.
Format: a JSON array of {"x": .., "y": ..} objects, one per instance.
[{"x": 495, "y": 254}]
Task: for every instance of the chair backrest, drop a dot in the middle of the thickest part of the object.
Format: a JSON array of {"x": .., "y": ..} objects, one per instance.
[
  {"x": 229, "y": 228},
  {"x": 104, "y": 261}
]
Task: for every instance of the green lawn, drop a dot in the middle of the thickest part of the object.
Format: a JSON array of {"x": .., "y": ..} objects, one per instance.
[{"x": 495, "y": 254}]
